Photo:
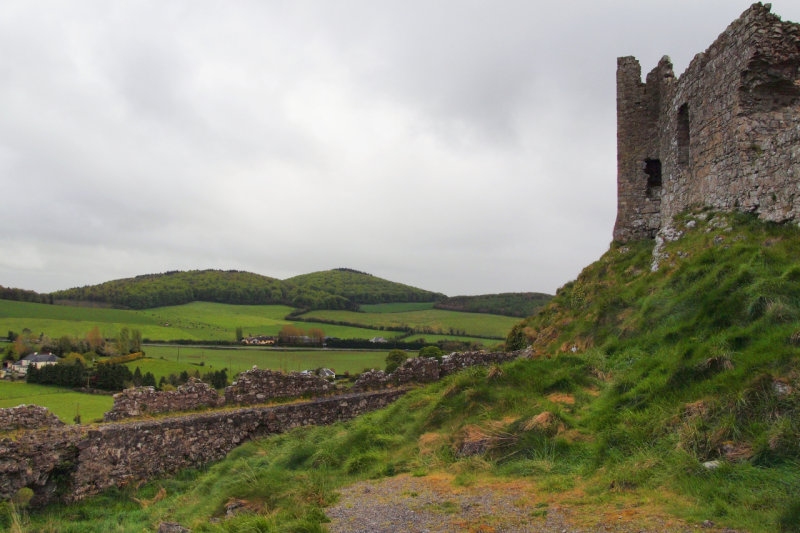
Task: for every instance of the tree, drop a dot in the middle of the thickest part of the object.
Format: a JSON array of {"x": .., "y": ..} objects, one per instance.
[
  {"x": 136, "y": 341},
  {"x": 11, "y": 336},
  {"x": 95, "y": 339},
  {"x": 394, "y": 359},
  {"x": 239, "y": 335},
  {"x": 124, "y": 341},
  {"x": 149, "y": 380},
  {"x": 431, "y": 351},
  {"x": 317, "y": 335},
  {"x": 137, "y": 377},
  {"x": 289, "y": 334}
]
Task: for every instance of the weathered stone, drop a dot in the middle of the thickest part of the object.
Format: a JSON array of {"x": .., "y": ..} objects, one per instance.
[
  {"x": 258, "y": 386},
  {"x": 425, "y": 370},
  {"x": 725, "y": 134},
  {"x": 146, "y": 400},
  {"x": 27, "y": 417},
  {"x": 172, "y": 527},
  {"x": 99, "y": 457}
]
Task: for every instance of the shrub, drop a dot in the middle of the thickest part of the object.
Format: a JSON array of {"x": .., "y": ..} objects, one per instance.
[
  {"x": 394, "y": 359},
  {"x": 431, "y": 351}
]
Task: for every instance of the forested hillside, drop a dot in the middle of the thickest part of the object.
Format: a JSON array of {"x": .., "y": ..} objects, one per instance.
[
  {"x": 332, "y": 289},
  {"x": 362, "y": 288},
  {"x": 519, "y": 304}
]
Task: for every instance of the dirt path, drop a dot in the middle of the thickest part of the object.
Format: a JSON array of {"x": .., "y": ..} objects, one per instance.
[{"x": 433, "y": 504}]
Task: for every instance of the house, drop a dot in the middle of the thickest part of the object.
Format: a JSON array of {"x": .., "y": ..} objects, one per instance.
[
  {"x": 259, "y": 340},
  {"x": 35, "y": 359},
  {"x": 377, "y": 340}
]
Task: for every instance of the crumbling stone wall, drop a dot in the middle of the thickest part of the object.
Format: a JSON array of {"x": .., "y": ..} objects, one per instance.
[
  {"x": 725, "y": 134},
  {"x": 27, "y": 417},
  {"x": 258, "y": 386},
  {"x": 146, "y": 400},
  {"x": 425, "y": 370},
  {"x": 455, "y": 362},
  {"x": 95, "y": 458},
  {"x": 417, "y": 370}
]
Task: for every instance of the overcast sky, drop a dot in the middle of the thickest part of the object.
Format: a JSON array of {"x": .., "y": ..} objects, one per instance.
[{"x": 460, "y": 146}]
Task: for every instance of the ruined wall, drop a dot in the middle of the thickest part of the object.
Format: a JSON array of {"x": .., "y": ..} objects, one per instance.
[
  {"x": 726, "y": 134},
  {"x": 146, "y": 400},
  {"x": 425, "y": 370},
  {"x": 258, "y": 386},
  {"x": 93, "y": 459},
  {"x": 27, "y": 417}
]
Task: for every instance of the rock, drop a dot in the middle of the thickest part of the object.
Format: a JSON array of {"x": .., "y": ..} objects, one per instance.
[
  {"x": 712, "y": 465},
  {"x": 172, "y": 527}
]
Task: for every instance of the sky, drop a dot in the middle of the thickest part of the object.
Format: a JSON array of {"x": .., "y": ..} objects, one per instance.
[{"x": 460, "y": 146}]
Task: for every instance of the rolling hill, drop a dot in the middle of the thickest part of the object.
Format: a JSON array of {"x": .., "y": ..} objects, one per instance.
[
  {"x": 519, "y": 304},
  {"x": 331, "y": 289},
  {"x": 671, "y": 396}
]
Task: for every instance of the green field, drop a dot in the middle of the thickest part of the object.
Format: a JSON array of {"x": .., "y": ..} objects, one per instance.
[
  {"x": 179, "y": 358},
  {"x": 433, "y": 339},
  {"x": 439, "y": 321},
  {"x": 64, "y": 403},
  {"x": 194, "y": 321},
  {"x": 396, "y": 307}
]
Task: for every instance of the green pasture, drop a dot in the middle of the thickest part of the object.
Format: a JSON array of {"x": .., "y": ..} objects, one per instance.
[
  {"x": 438, "y": 320},
  {"x": 64, "y": 403},
  {"x": 189, "y": 358},
  {"x": 396, "y": 307},
  {"x": 433, "y": 339},
  {"x": 195, "y": 321}
]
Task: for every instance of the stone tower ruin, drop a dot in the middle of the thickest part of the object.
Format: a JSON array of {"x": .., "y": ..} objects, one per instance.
[{"x": 725, "y": 134}]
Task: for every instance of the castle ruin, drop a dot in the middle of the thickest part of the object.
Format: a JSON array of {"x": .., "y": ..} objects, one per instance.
[{"x": 725, "y": 134}]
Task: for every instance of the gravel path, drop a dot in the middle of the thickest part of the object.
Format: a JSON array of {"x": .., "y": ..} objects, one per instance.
[{"x": 421, "y": 505}]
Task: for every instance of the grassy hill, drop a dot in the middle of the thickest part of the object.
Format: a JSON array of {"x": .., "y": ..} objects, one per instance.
[
  {"x": 330, "y": 289},
  {"x": 175, "y": 288},
  {"x": 673, "y": 393},
  {"x": 519, "y": 304},
  {"x": 361, "y": 288}
]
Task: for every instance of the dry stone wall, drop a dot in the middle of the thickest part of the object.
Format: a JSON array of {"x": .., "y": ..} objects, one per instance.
[
  {"x": 91, "y": 459},
  {"x": 27, "y": 417},
  {"x": 146, "y": 400},
  {"x": 425, "y": 370},
  {"x": 258, "y": 386},
  {"x": 725, "y": 134}
]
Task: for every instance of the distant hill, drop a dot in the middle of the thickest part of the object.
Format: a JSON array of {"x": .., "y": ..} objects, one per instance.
[
  {"x": 332, "y": 289},
  {"x": 519, "y": 304},
  {"x": 179, "y": 287},
  {"x": 362, "y": 288}
]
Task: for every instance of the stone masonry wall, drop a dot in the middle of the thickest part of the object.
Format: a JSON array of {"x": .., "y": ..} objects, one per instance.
[
  {"x": 257, "y": 386},
  {"x": 27, "y": 417},
  {"x": 93, "y": 459},
  {"x": 725, "y": 134},
  {"x": 425, "y": 370},
  {"x": 146, "y": 400}
]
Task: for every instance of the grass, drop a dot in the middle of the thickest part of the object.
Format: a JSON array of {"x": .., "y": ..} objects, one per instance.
[
  {"x": 433, "y": 339},
  {"x": 179, "y": 358},
  {"x": 396, "y": 307},
  {"x": 195, "y": 321},
  {"x": 436, "y": 321},
  {"x": 640, "y": 378},
  {"x": 64, "y": 403}
]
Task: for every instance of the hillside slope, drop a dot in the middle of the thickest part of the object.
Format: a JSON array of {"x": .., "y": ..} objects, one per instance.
[
  {"x": 667, "y": 393},
  {"x": 519, "y": 304},
  {"x": 362, "y": 288},
  {"x": 332, "y": 289}
]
